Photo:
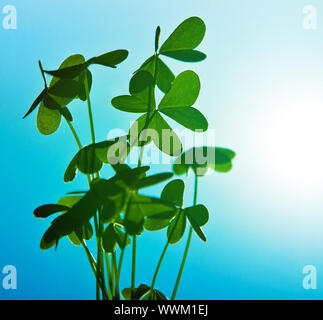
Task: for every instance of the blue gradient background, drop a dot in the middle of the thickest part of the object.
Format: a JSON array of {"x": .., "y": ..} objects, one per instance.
[{"x": 261, "y": 91}]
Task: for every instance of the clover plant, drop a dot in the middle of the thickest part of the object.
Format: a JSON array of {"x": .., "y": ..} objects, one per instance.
[{"x": 115, "y": 207}]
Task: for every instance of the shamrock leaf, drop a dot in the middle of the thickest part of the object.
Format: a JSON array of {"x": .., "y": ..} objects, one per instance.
[{"x": 201, "y": 159}]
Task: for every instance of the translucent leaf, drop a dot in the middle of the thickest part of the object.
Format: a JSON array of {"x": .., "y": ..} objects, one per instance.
[
  {"x": 35, "y": 103},
  {"x": 68, "y": 72},
  {"x": 66, "y": 114},
  {"x": 48, "y": 120},
  {"x": 164, "y": 137},
  {"x": 188, "y": 117},
  {"x": 164, "y": 76},
  {"x": 198, "y": 213},
  {"x": 186, "y": 55},
  {"x": 110, "y": 59},
  {"x": 184, "y": 91},
  {"x": 154, "y": 295},
  {"x": 109, "y": 240},
  {"x": 203, "y": 158},
  {"x": 83, "y": 233},
  {"x": 129, "y": 104},
  {"x": 69, "y": 201},
  {"x": 65, "y": 88},
  {"x": 176, "y": 228},
  {"x": 137, "y": 294},
  {"x": 138, "y": 137},
  {"x": 89, "y": 159},
  {"x": 81, "y": 84},
  {"x": 174, "y": 192},
  {"x": 46, "y": 210},
  {"x": 159, "y": 221},
  {"x": 152, "y": 180},
  {"x": 187, "y": 36}
]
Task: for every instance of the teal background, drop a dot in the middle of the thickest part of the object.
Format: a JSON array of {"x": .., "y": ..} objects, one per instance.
[{"x": 261, "y": 91}]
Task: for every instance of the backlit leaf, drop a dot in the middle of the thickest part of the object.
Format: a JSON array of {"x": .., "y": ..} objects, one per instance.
[
  {"x": 186, "y": 55},
  {"x": 176, "y": 228},
  {"x": 46, "y": 210},
  {"x": 174, "y": 192},
  {"x": 201, "y": 159},
  {"x": 164, "y": 137},
  {"x": 184, "y": 91},
  {"x": 188, "y": 117},
  {"x": 48, "y": 120},
  {"x": 110, "y": 59},
  {"x": 187, "y": 36}
]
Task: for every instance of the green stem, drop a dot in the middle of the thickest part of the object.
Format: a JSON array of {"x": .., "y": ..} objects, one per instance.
[
  {"x": 114, "y": 272},
  {"x": 158, "y": 266},
  {"x": 133, "y": 269},
  {"x": 78, "y": 142},
  {"x": 187, "y": 244},
  {"x": 117, "y": 295},
  {"x": 110, "y": 278},
  {"x": 98, "y": 223},
  {"x": 95, "y": 270}
]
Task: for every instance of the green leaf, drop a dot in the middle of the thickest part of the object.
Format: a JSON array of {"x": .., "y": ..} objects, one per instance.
[
  {"x": 203, "y": 158},
  {"x": 46, "y": 210},
  {"x": 109, "y": 240},
  {"x": 154, "y": 295},
  {"x": 188, "y": 117},
  {"x": 152, "y": 180},
  {"x": 89, "y": 159},
  {"x": 121, "y": 237},
  {"x": 110, "y": 59},
  {"x": 198, "y": 213},
  {"x": 164, "y": 137},
  {"x": 48, "y": 120},
  {"x": 88, "y": 162},
  {"x": 141, "y": 87},
  {"x": 65, "y": 88},
  {"x": 159, "y": 221},
  {"x": 129, "y": 104},
  {"x": 140, "y": 207},
  {"x": 174, "y": 192},
  {"x": 164, "y": 76},
  {"x": 186, "y": 55},
  {"x": 83, "y": 233},
  {"x": 184, "y": 91},
  {"x": 69, "y": 201},
  {"x": 138, "y": 293},
  {"x": 66, "y": 114},
  {"x": 35, "y": 103},
  {"x": 187, "y": 36},
  {"x": 68, "y": 72},
  {"x": 198, "y": 216},
  {"x": 63, "y": 99},
  {"x": 138, "y": 136},
  {"x": 81, "y": 83},
  {"x": 176, "y": 228}
]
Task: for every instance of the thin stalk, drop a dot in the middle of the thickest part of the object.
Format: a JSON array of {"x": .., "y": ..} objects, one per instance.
[
  {"x": 133, "y": 269},
  {"x": 187, "y": 244},
  {"x": 110, "y": 278},
  {"x": 95, "y": 270},
  {"x": 114, "y": 272},
  {"x": 78, "y": 142},
  {"x": 98, "y": 223},
  {"x": 117, "y": 296},
  {"x": 158, "y": 266}
]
